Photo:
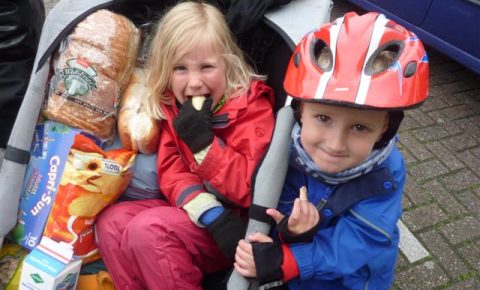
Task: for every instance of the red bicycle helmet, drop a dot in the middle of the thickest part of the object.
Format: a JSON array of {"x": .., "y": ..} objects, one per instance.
[
  {"x": 352, "y": 44},
  {"x": 338, "y": 63}
]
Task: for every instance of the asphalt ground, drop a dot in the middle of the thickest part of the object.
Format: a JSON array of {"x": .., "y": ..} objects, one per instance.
[{"x": 440, "y": 246}]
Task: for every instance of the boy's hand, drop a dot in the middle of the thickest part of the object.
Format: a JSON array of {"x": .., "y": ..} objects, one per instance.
[
  {"x": 194, "y": 127},
  {"x": 244, "y": 261},
  {"x": 304, "y": 216}
]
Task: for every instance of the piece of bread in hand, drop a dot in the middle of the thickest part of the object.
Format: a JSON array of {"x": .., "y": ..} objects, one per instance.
[
  {"x": 137, "y": 130},
  {"x": 197, "y": 102}
]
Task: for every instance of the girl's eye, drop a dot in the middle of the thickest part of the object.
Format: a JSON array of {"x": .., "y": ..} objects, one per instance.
[
  {"x": 359, "y": 127},
  {"x": 179, "y": 68},
  {"x": 207, "y": 66}
]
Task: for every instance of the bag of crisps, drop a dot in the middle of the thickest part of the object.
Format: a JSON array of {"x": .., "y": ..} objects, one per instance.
[{"x": 91, "y": 180}]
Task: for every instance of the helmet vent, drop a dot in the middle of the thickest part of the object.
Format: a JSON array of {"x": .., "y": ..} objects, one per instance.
[
  {"x": 410, "y": 69},
  {"x": 383, "y": 58},
  {"x": 322, "y": 55},
  {"x": 296, "y": 59}
]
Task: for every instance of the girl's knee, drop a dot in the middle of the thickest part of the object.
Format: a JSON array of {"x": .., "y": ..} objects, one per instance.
[{"x": 152, "y": 227}]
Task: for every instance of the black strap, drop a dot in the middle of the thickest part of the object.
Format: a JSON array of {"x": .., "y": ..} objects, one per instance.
[
  {"x": 376, "y": 183},
  {"x": 258, "y": 213},
  {"x": 17, "y": 155}
]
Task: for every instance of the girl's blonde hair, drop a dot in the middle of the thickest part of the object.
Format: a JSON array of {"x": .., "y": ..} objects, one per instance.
[{"x": 184, "y": 27}]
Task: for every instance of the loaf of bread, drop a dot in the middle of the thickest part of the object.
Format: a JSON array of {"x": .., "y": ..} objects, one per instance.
[
  {"x": 95, "y": 112},
  {"x": 91, "y": 70},
  {"x": 137, "y": 130},
  {"x": 112, "y": 35}
]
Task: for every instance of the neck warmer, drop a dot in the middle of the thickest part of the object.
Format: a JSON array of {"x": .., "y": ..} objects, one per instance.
[{"x": 301, "y": 160}]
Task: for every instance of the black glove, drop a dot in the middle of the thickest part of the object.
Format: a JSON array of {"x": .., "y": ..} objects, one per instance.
[
  {"x": 289, "y": 238},
  {"x": 268, "y": 262},
  {"x": 227, "y": 230},
  {"x": 194, "y": 127}
]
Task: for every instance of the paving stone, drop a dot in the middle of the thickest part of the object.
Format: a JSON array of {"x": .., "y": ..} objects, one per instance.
[
  {"x": 408, "y": 123},
  {"x": 445, "y": 156},
  {"x": 444, "y": 198},
  {"x": 474, "y": 94},
  {"x": 418, "y": 150},
  {"x": 432, "y": 104},
  {"x": 427, "y": 275},
  {"x": 471, "y": 253},
  {"x": 415, "y": 193},
  {"x": 439, "y": 247},
  {"x": 471, "y": 284},
  {"x": 476, "y": 152},
  {"x": 472, "y": 161},
  {"x": 460, "y": 142},
  {"x": 401, "y": 261},
  {"x": 430, "y": 133},
  {"x": 407, "y": 156},
  {"x": 471, "y": 202},
  {"x": 406, "y": 203},
  {"x": 469, "y": 126},
  {"x": 423, "y": 217},
  {"x": 446, "y": 123},
  {"x": 427, "y": 170},
  {"x": 461, "y": 230},
  {"x": 421, "y": 118},
  {"x": 437, "y": 58},
  {"x": 442, "y": 77},
  {"x": 461, "y": 180},
  {"x": 449, "y": 89},
  {"x": 458, "y": 112},
  {"x": 477, "y": 191}
]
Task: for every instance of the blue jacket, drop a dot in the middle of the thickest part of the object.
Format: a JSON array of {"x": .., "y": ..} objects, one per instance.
[{"x": 357, "y": 249}]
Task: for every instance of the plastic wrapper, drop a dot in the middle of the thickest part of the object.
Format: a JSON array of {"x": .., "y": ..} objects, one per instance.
[
  {"x": 91, "y": 180},
  {"x": 91, "y": 70},
  {"x": 137, "y": 130}
]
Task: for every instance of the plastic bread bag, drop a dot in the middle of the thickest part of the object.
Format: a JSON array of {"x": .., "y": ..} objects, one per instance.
[
  {"x": 91, "y": 70},
  {"x": 137, "y": 130},
  {"x": 91, "y": 180}
]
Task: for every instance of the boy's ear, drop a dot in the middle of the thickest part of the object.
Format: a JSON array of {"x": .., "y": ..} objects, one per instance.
[
  {"x": 385, "y": 126},
  {"x": 297, "y": 111}
]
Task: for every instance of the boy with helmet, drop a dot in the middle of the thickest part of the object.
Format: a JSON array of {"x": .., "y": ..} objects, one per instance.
[{"x": 350, "y": 81}]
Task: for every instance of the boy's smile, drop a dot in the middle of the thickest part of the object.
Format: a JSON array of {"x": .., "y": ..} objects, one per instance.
[
  {"x": 199, "y": 72},
  {"x": 338, "y": 138}
]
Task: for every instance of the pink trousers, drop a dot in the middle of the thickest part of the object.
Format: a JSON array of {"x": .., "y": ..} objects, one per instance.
[{"x": 148, "y": 244}]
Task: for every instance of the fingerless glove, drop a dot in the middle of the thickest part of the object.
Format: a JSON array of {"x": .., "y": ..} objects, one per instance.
[{"x": 227, "y": 230}]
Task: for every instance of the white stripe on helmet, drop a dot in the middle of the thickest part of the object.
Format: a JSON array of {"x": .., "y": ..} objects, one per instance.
[
  {"x": 322, "y": 84},
  {"x": 378, "y": 30}
]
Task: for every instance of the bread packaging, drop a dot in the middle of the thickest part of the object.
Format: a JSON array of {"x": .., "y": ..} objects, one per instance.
[
  {"x": 91, "y": 70},
  {"x": 137, "y": 130}
]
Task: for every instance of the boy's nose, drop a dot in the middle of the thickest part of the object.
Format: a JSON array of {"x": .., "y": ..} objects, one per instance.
[{"x": 336, "y": 141}]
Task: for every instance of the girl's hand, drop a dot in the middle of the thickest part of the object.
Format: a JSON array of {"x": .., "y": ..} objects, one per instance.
[
  {"x": 194, "y": 127},
  {"x": 244, "y": 261}
]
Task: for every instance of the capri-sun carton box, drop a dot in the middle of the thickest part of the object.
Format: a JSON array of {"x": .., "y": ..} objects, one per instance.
[
  {"x": 50, "y": 147},
  {"x": 50, "y": 267}
]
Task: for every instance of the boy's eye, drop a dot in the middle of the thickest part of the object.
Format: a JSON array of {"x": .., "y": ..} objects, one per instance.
[{"x": 323, "y": 118}]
